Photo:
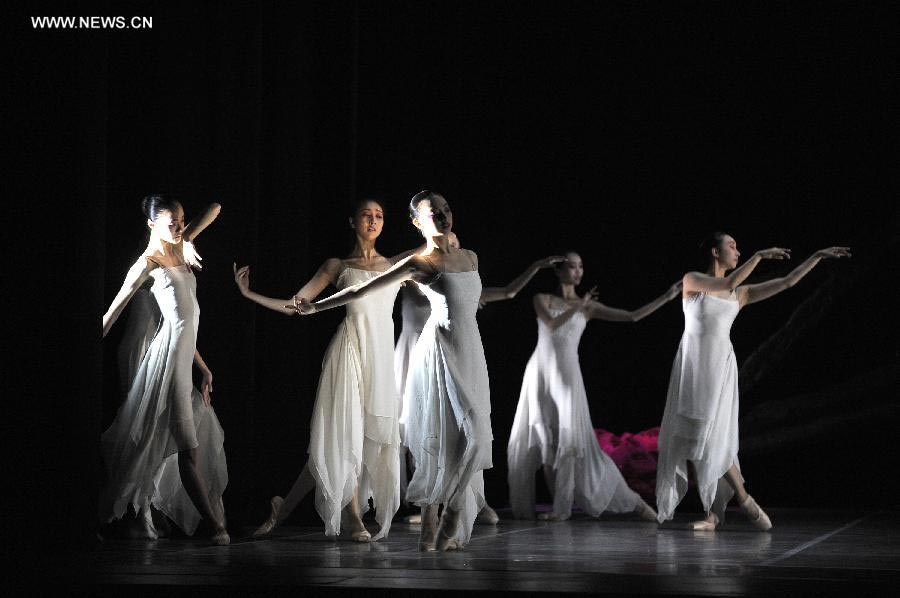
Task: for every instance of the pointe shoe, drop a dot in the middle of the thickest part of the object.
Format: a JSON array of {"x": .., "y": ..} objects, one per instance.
[
  {"x": 487, "y": 516},
  {"x": 221, "y": 538},
  {"x": 548, "y": 516},
  {"x": 645, "y": 512},
  {"x": 705, "y": 525},
  {"x": 755, "y": 514},
  {"x": 145, "y": 528},
  {"x": 447, "y": 531},
  {"x": 272, "y": 522}
]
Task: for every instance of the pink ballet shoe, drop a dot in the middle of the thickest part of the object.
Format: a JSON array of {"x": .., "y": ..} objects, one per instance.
[
  {"x": 755, "y": 514},
  {"x": 705, "y": 525},
  {"x": 487, "y": 516},
  {"x": 272, "y": 522},
  {"x": 361, "y": 536},
  {"x": 548, "y": 516},
  {"x": 220, "y": 538},
  {"x": 446, "y": 531},
  {"x": 413, "y": 519},
  {"x": 645, "y": 512}
]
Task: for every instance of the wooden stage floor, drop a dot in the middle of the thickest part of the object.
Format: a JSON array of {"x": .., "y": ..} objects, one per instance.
[{"x": 807, "y": 553}]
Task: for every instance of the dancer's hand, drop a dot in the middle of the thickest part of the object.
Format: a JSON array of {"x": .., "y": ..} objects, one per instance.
[
  {"x": 833, "y": 252},
  {"x": 774, "y": 253},
  {"x": 206, "y": 387},
  {"x": 241, "y": 277},
  {"x": 675, "y": 290},
  {"x": 549, "y": 261},
  {"x": 589, "y": 297},
  {"x": 303, "y": 306},
  {"x": 189, "y": 252}
]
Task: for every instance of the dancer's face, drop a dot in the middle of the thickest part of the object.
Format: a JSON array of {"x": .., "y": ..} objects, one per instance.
[
  {"x": 169, "y": 225},
  {"x": 434, "y": 217},
  {"x": 368, "y": 221},
  {"x": 727, "y": 253},
  {"x": 570, "y": 271}
]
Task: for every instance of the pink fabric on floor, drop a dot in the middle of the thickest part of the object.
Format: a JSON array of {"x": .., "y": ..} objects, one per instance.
[{"x": 635, "y": 455}]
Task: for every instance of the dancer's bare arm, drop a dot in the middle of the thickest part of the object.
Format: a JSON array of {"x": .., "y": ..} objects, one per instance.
[
  {"x": 206, "y": 385},
  {"x": 136, "y": 276},
  {"x": 195, "y": 227},
  {"x": 698, "y": 282},
  {"x": 542, "y": 308},
  {"x": 411, "y": 268},
  {"x": 751, "y": 293},
  {"x": 613, "y": 314},
  {"x": 326, "y": 274},
  {"x": 491, "y": 294}
]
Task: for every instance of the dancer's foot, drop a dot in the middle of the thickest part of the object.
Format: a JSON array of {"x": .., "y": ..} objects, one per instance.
[
  {"x": 428, "y": 534},
  {"x": 705, "y": 525},
  {"x": 143, "y": 527},
  {"x": 355, "y": 527},
  {"x": 220, "y": 536},
  {"x": 548, "y": 516},
  {"x": 413, "y": 519},
  {"x": 756, "y": 515},
  {"x": 446, "y": 533},
  {"x": 272, "y": 522},
  {"x": 645, "y": 512},
  {"x": 487, "y": 516}
]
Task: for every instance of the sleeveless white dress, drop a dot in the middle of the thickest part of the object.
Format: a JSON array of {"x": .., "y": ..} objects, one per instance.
[
  {"x": 163, "y": 413},
  {"x": 553, "y": 427},
  {"x": 447, "y": 400},
  {"x": 354, "y": 434},
  {"x": 700, "y": 422}
]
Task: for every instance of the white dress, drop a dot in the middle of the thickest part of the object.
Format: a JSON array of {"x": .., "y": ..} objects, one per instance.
[
  {"x": 447, "y": 398},
  {"x": 354, "y": 435},
  {"x": 553, "y": 427},
  {"x": 163, "y": 413},
  {"x": 700, "y": 422}
]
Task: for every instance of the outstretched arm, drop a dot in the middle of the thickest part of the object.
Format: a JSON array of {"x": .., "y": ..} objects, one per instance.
[
  {"x": 752, "y": 293},
  {"x": 206, "y": 384},
  {"x": 195, "y": 227},
  {"x": 698, "y": 282},
  {"x": 613, "y": 314},
  {"x": 411, "y": 268},
  {"x": 136, "y": 276},
  {"x": 325, "y": 275},
  {"x": 490, "y": 294},
  {"x": 542, "y": 309}
]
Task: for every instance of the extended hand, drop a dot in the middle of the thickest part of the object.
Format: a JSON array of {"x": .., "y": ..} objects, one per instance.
[
  {"x": 774, "y": 253},
  {"x": 241, "y": 277},
  {"x": 190, "y": 255},
  {"x": 303, "y": 306},
  {"x": 833, "y": 252},
  {"x": 550, "y": 261},
  {"x": 589, "y": 297}
]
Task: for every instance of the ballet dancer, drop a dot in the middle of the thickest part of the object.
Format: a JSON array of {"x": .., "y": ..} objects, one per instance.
[
  {"x": 159, "y": 416},
  {"x": 700, "y": 422},
  {"x": 552, "y": 426},
  {"x": 354, "y": 434}
]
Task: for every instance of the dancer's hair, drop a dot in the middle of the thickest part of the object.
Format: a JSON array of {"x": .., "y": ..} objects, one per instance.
[
  {"x": 155, "y": 203},
  {"x": 711, "y": 241},
  {"x": 356, "y": 205},
  {"x": 419, "y": 198}
]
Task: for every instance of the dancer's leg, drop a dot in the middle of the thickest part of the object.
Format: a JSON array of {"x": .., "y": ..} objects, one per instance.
[
  {"x": 196, "y": 490},
  {"x": 748, "y": 505},
  {"x": 353, "y": 521},
  {"x": 429, "y": 528}
]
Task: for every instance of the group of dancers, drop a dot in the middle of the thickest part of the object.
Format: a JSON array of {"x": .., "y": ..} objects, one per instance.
[{"x": 424, "y": 405}]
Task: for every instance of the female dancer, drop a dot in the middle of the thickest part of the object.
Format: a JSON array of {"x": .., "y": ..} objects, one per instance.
[
  {"x": 354, "y": 435},
  {"x": 157, "y": 419},
  {"x": 700, "y": 422},
  {"x": 415, "y": 309},
  {"x": 449, "y": 428},
  {"x": 553, "y": 423}
]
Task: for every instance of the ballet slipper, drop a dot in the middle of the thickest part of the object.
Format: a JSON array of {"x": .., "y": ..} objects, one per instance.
[
  {"x": 487, "y": 516},
  {"x": 361, "y": 536},
  {"x": 221, "y": 538},
  {"x": 645, "y": 512},
  {"x": 548, "y": 516},
  {"x": 355, "y": 527},
  {"x": 447, "y": 531},
  {"x": 705, "y": 525},
  {"x": 755, "y": 514},
  {"x": 272, "y": 522},
  {"x": 413, "y": 519}
]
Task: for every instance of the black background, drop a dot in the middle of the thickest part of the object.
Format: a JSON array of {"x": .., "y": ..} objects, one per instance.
[{"x": 623, "y": 130}]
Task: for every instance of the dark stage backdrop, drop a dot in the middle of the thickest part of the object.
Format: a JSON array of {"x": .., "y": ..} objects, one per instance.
[{"x": 625, "y": 131}]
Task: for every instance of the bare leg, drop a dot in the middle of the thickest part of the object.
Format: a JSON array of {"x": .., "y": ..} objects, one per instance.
[
  {"x": 429, "y": 528},
  {"x": 752, "y": 510},
  {"x": 196, "y": 490},
  {"x": 353, "y": 521},
  {"x": 281, "y": 508}
]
